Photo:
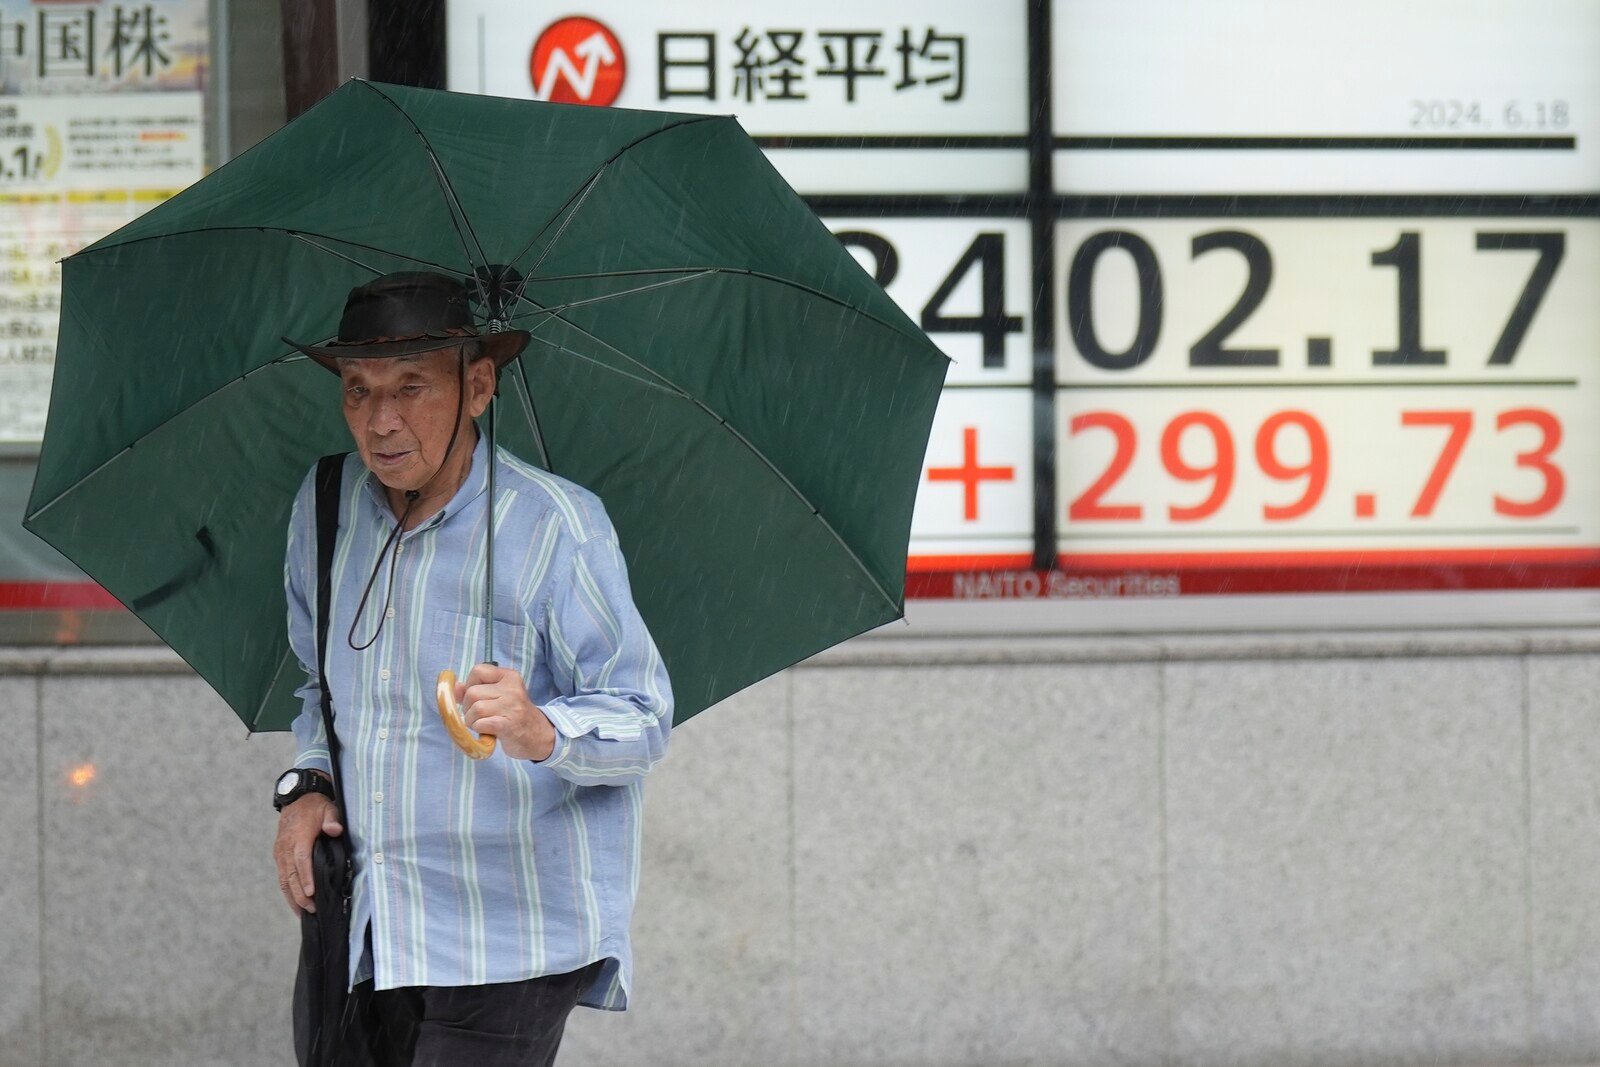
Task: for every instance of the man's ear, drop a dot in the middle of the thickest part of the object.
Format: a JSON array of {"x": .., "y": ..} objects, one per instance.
[{"x": 481, "y": 378}]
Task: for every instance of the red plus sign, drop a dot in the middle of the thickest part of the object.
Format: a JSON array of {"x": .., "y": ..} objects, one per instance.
[{"x": 969, "y": 474}]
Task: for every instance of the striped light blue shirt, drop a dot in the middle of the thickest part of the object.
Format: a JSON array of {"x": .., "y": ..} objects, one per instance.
[{"x": 472, "y": 872}]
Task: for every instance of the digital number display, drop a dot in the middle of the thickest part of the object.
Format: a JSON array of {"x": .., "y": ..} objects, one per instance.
[
  {"x": 1335, "y": 387},
  {"x": 1285, "y": 399}
]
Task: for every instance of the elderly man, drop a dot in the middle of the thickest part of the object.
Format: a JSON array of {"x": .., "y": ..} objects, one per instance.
[{"x": 490, "y": 896}]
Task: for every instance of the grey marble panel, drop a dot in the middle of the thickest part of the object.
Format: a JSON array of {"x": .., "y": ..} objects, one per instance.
[
  {"x": 21, "y": 1002},
  {"x": 711, "y": 930},
  {"x": 1346, "y": 856},
  {"x": 1563, "y": 694},
  {"x": 977, "y": 865},
  {"x": 168, "y": 941}
]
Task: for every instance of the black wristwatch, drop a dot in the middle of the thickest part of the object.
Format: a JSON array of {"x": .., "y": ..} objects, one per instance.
[{"x": 295, "y": 783}]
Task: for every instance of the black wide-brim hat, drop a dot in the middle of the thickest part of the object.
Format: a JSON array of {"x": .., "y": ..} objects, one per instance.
[{"x": 408, "y": 313}]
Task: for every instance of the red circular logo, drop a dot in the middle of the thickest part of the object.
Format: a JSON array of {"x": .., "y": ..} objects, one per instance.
[{"x": 577, "y": 61}]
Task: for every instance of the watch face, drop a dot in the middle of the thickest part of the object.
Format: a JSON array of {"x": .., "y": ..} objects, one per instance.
[{"x": 287, "y": 782}]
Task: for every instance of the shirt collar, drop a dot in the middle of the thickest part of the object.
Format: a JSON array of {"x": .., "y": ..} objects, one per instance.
[{"x": 477, "y": 481}]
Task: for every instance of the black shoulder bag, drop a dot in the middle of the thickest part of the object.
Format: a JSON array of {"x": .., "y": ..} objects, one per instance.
[{"x": 331, "y": 1024}]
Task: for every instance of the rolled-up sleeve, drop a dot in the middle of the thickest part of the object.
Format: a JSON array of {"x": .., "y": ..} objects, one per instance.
[
  {"x": 299, "y": 574},
  {"x": 615, "y": 712}
]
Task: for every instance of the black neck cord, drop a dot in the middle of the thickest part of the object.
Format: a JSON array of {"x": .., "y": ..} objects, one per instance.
[
  {"x": 361, "y": 609},
  {"x": 399, "y": 526}
]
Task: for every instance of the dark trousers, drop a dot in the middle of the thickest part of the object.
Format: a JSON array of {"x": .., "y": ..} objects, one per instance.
[{"x": 501, "y": 1025}]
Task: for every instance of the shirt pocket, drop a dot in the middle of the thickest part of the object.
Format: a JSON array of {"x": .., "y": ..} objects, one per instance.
[{"x": 461, "y": 633}]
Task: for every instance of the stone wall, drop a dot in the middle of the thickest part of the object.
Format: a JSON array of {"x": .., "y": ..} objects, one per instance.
[{"x": 1240, "y": 850}]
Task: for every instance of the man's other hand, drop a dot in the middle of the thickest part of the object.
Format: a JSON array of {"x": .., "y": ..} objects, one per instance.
[
  {"x": 495, "y": 701},
  {"x": 299, "y": 826}
]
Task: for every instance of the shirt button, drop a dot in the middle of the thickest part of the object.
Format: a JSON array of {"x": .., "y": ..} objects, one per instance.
[
  {"x": 389, "y": 614},
  {"x": 377, "y": 857},
  {"x": 384, "y": 674},
  {"x": 383, "y": 733},
  {"x": 377, "y": 798}
]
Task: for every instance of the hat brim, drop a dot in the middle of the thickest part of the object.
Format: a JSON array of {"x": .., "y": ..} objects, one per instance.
[{"x": 501, "y": 347}]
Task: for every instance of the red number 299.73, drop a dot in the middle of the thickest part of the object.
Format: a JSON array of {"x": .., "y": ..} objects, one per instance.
[
  {"x": 1090, "y": 506},
  {"x": 1220, "y": 467}
]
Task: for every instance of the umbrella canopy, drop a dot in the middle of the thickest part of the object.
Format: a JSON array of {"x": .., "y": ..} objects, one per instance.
[{"x": 706, "y": 357}]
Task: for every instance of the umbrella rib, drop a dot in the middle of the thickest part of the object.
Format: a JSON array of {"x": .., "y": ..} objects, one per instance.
[
  {"x": 588, "y": 187},
  {"x": 452, "y": 203},
  {"x": 554, "y": 315},
  {"x": 556, "y": 308},
  {"x": 756, "y": 274},
  {"x": 302, "y": 234},
  {"x": 333, "y": 252},
  {"x": 668, "y": 385},
  {"x": 668, "y": 388},
  {"x": 262, "y": 707},
  {"x": 618, "y": 273},
  {"x": 526, "y": 393},
  {"x": 287, "y": 357},
  {"x": 588, "y": 184}
]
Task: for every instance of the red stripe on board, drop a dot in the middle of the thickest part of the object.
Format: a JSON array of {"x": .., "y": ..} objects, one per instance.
[
  {"x": 56, "y": 596},
  {"x": 1187, "y": 560},
  {"x": 1442, "y": 557},
  {"x": 1085, "y": 579},
  {"x": 963, "y": 563}
]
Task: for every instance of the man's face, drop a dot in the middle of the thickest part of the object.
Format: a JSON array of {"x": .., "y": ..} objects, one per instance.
[{"x": 402, "y": 411}]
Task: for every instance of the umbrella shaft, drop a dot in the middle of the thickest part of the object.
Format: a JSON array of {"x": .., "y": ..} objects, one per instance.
[{"x": 488, "y": 553}]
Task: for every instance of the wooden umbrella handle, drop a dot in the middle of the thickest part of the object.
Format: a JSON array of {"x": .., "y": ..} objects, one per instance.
[{"x": 478, "y": 746}]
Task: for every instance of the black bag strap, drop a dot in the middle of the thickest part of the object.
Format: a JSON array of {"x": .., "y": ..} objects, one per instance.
[{"x": 330, "y": 472}]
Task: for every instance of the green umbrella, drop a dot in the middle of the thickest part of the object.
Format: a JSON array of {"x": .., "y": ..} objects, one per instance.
[{"x": 749, "y": 404}]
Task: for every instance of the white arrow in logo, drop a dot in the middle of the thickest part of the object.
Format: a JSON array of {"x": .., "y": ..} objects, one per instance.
[{"x": 595, "y": 51}]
